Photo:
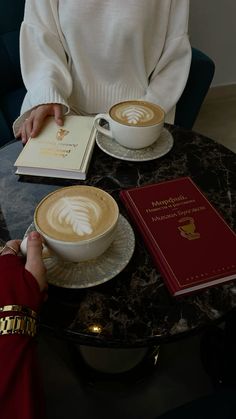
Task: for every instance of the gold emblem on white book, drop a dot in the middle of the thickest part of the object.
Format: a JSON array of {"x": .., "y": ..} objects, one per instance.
[
  {"x": 61, "y": 133},
  {"x": 187, "y": 230}
]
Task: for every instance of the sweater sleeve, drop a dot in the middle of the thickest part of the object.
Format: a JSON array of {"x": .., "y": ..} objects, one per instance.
[
  {"x": 170, "y": 75},
  {"x": 21, "y": 393},
  {"x": 44, "y": 59}
]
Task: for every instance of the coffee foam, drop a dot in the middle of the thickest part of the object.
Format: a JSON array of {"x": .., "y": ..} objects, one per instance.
[
  {"x": 137, "y": 113},
  {"x": 76, "y": 213}
]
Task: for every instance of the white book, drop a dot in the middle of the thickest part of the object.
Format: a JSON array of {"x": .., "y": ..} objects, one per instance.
[{"x": 63, "y": 152}]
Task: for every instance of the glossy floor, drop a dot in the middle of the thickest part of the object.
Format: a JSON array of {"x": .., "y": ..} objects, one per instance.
[{"x": 217, "y": 118}]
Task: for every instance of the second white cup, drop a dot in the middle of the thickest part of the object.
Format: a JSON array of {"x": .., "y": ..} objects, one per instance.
[{"x": 134, "y": 124}]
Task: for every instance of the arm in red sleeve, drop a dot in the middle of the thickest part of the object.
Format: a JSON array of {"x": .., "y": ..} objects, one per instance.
[{"x": 21, "y": 395}]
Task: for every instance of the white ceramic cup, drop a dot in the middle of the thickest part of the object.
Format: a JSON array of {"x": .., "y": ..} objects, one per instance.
[
  {"x": 86, "y": 247},
  {"x": 134, "y": 124}
]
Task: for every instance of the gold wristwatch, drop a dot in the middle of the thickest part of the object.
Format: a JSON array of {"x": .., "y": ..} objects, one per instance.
[{"x": 24, "y": 323}]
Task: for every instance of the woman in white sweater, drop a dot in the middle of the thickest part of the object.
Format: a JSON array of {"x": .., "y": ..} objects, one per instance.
[{"x": 82, "y": 56}]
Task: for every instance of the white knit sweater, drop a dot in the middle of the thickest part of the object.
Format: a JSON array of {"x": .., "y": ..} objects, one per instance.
[{"x": 89, "y": 54}]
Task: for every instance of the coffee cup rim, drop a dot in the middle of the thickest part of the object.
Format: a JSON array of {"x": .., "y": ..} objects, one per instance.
[{"x": 82, "y": 242}]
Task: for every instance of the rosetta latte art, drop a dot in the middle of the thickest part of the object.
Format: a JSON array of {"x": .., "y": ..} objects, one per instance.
[
  {"x": 136, "y": 114},
  {"x": 77, "y": 214}
]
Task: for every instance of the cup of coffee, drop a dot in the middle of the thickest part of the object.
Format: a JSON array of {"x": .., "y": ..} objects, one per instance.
[
  {"x": 78, "y": 223},
  {"x": 133, "y": 123}
]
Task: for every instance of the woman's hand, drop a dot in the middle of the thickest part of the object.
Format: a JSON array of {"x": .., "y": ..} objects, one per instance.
[
  {"x": 31, "y": 127},
  {"x": 34, "y": 262}
]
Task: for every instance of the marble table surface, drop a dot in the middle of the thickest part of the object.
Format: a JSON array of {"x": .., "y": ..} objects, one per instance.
[{"x": 133, "y": 309}]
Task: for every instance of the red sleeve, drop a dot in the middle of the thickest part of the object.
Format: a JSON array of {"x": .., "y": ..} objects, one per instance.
[{"x": 21, "y": 393}]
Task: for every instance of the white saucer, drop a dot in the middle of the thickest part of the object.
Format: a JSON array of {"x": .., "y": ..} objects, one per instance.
[
  {"x": 96, "y": 271},
  {"x": 161, "y": 147}
]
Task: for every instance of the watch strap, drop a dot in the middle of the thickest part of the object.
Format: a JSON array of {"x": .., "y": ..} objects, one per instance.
[{"x": 24, "y": 325}]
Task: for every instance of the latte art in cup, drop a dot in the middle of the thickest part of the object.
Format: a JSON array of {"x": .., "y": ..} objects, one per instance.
[
  {"x": 137, "y": 113},
  {"x": 78, "y": 223},
  {"x": 76, "y": 213}
]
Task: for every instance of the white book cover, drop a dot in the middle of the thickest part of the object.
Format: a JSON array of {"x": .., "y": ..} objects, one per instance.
[{"x": 59, "y": 151}]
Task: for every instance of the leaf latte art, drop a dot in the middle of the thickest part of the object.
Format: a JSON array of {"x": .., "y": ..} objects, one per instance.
[
  {"x": 74, "y": 213},
  {"x": 136, "y": 114},
  {"x": 78, "y": 213}
]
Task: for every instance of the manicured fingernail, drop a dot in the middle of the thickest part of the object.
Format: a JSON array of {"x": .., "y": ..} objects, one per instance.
[{"x": 34, "y": 235}]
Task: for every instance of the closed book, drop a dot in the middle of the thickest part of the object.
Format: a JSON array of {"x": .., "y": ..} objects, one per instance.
[
  {"x": 191, "y": 244},
  {"x": 62, "y": 152}
]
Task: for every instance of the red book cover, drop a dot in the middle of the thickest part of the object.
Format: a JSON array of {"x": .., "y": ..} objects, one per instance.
[{"x": 190, "y": 243}]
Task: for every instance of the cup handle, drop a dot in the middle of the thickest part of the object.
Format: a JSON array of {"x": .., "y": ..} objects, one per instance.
[
  {"x": 46, "y": 252},
  {"x": 104, "y": 131}
]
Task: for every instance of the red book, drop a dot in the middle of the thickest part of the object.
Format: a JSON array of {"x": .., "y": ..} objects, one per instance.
[{"x": 190, "y": 243}]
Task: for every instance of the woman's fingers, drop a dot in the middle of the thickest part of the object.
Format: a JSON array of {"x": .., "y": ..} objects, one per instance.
[
  {"x": 32, "y": 126},
  {"x": 34, "y": 262},
  {"x": 12, "y": 247},
  {"x": 58, "y": 114}
]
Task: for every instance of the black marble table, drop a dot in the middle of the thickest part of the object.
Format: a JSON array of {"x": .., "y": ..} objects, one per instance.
[{"x": 134, "y": 309}]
